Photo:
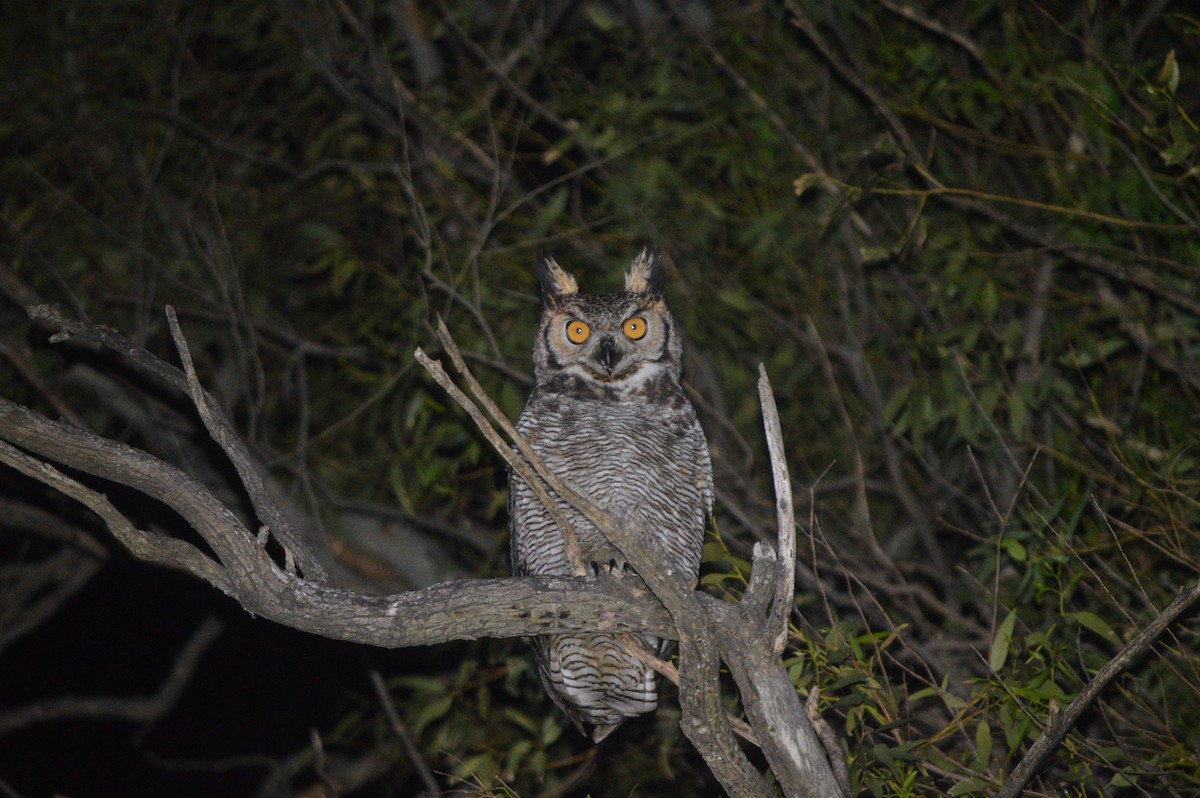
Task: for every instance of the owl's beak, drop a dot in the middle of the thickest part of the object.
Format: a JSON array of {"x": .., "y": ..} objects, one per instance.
[{"x": 608, "y": 355}]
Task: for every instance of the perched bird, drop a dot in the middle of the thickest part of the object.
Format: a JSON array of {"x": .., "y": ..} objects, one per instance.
[{"x": 608, "y": 415}]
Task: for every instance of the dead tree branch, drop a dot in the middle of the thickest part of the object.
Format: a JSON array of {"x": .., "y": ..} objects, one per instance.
[
  {"x": 462, "y": 610},
  {"x": 747, "y": 636},
  {"x": 305, "y": 553}
]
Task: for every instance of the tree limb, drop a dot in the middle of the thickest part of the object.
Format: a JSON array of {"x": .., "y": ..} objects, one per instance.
[
  {"x": 215, "y": 420},
  {"x": 462, "y": 610},
  {"x": 234, "y": 561},
  {"x": 785, "y": 517}
]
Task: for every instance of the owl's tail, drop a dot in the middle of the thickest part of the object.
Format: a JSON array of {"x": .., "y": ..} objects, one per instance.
[{"x": 596, "y": 680}]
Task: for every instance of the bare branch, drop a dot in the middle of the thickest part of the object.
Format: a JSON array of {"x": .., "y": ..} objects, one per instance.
[
  {"x": 1058, "y": 727},
  {"x": 222, "y": 432},
  {"x": 145, "y": 545},
  {"x": 785, "y": 515},
  {"x": 529, "y": 471},
  {"x": 35, "y": 591},
  {"x": 463, "y": 610},
  {"x": 215, "y": 420},
  {"x": 475, "y": 608},
  {"x": 794, "y": 750}
]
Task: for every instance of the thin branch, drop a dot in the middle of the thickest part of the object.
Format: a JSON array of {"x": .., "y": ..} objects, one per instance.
[
  {"x": 35, "y": 591},
  {"x": 802, "y": 21},
  {"x": 528, "y": 469},
  {"x": 401, "y": 730},
  {"x": 930, "y": 24},
  {"x": 939, "y": 189},
  {"x": 812, "y": 709},
  {"x": 221, "y": 431},
  {"x": 211, "y": 412},
  {"x": 1058, "y": 727},
  {"x": 142, "y": 544},
  {"x": 571, "y": 540}
]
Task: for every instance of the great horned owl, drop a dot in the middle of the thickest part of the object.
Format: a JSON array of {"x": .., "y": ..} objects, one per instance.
[{"x": 608, "y": 415}]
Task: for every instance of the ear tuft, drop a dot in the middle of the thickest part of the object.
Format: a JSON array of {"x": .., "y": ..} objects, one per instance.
[
  {"x": 554, "y": 281},
  {"x": 646, "y": 275}
]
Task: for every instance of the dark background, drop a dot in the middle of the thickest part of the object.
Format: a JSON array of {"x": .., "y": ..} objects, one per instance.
[{"x": 961, "y": 237}]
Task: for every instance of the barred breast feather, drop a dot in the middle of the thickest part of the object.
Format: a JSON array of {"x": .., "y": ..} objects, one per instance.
[{"x": 646, "y": 462}]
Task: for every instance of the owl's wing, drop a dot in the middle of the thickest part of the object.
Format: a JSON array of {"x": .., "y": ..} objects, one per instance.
[{"x": 705, "y": 478}]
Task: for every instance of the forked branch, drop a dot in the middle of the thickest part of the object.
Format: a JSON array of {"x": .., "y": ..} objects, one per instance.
[{"x": 747, "y": 637}]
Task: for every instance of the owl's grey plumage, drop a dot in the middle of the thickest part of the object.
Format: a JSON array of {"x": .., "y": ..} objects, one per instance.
[{"x": 608, "y": 415}]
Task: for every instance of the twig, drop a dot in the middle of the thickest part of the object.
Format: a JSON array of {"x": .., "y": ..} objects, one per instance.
[
  {"x": 213, "y": 416},
  {"x": 145, "y": 545},
  {"x": 528, "y": 468},
  {"x": 669, "y": 672},
  {"x": 22, "y": 365},
  {"x": 570, "y": 538},
  {"x": 930, "y": 24},
  {"x": 812, "y": 709},
  {"x": 1058, "y": 726},
  {"x": 401, "y": 730},
  {"x": 801, "y": 20},
  {"x": 1145, "y": 278},
  {"x": 35, "y": 591},
  {"x": 773, "y": 117},
  {"x": 862, "y": 509},
  {"x": 221, "y": 431}
]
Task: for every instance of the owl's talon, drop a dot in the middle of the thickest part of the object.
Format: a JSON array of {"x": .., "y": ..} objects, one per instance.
[{"x": 613, "y": 567}]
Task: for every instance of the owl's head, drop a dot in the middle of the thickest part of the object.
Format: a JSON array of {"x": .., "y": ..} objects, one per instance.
[{"x": 622, "y": 339}]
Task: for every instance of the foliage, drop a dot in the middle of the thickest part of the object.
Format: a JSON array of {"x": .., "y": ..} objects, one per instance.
[{"x": 962, "y": 237}]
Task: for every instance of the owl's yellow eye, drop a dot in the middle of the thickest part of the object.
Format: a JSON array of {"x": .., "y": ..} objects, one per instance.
[
  {"x": 577, "y": 331},
  {"x": 635, "y": 328}
]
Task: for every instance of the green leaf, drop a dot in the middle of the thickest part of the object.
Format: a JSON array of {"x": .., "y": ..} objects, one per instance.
[
  {"x": 983, "y": 745},
  {"x": 1015, "y": 549},
  {"x": 431, "y": 712},
  {"x": 1123, "y": 780},
  {"x": 345, "y": 269},
  {"x": 999, "y": 653},
  {"x": 516, "y": 753},
  {"x": 1168, "y": 76},
  {"x": 1093, "y": 622},
  {"x": 968, "y": 786}
]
